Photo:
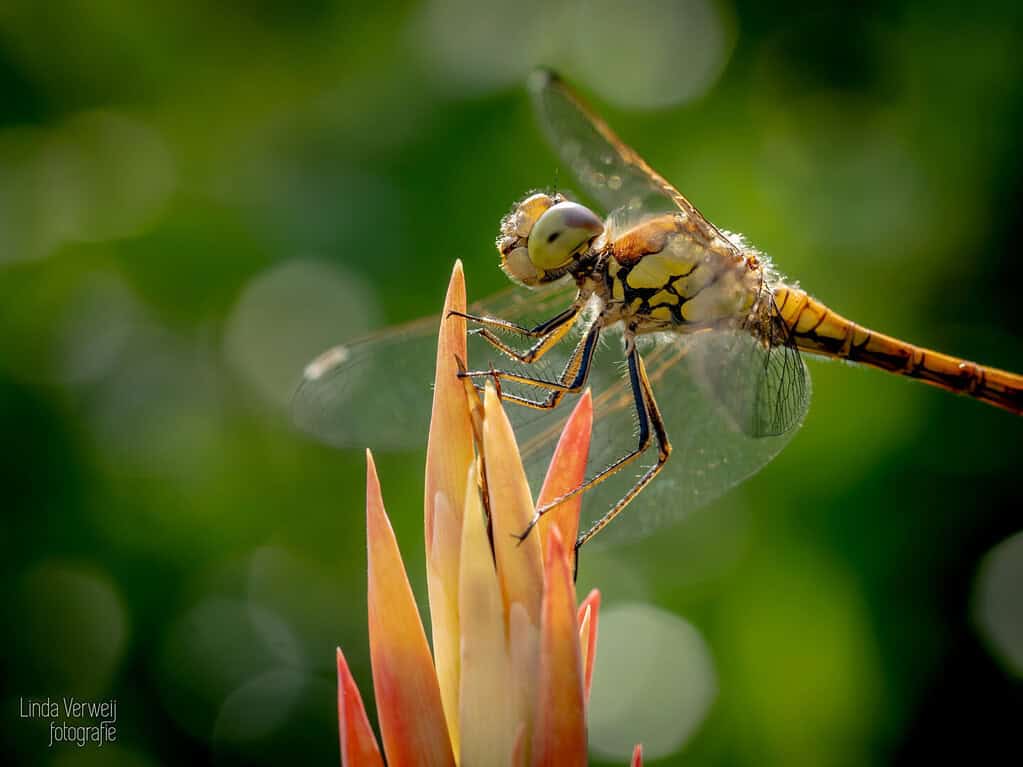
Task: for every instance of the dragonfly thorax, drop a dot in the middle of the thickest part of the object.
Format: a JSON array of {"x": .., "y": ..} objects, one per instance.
[
  {"x": 662, "y": 274},
  {"x": 544, "y": 237}
]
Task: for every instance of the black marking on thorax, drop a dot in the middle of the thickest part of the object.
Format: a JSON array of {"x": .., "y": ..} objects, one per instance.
[{"x": 644, "y": 295}]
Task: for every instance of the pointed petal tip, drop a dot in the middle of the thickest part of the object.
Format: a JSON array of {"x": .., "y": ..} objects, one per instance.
[
  {"x": 589, "y": 609},
  {"x": 586, "y": 400},
  {"x": 371, "y": 468},
  {"x": 592, "y": 599},
  {"x": 584, "y": 410},
  {"x": 342, "y": 664},
  {"x": 490, "y": 397},
  {"x": 454, "y": 299},
  {"x": 449, "y": 456},
  {"x": 375, "y": 513},
  {"x": 357, "y": 739},
  {"x": 409, "y": 706},
  {"x": 567, "y": 471},
  {"x": 637, "y": 756}
]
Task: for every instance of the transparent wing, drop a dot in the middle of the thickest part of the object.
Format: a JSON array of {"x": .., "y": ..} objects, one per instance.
[
  {"x": 377, "y": 391},
  {"x": 713, "y": 452},
  {"x": 371, "y": 392},
  {"x": 610, "y": 170},
  {"x": 774, "y": 395}
]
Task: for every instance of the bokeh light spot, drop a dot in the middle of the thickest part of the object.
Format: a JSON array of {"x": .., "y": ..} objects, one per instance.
[
  {"x": 215, "y": 649},
  {"x": 112, "y": 173},
  {"x": 98, "y": 324},
  {"x": 998, "y": 605},
  {"x": 289, "y": 315},
  {"x": 653, "y": 683},
  {"x": 260, "y": 706},
  {"x": 99, "y": 176},
  {"x": 652, "y": 53},
  {"x": 75, "y": 627},
  {"x": 297, "y": 588},
  {"x": 487, "y": 45}
]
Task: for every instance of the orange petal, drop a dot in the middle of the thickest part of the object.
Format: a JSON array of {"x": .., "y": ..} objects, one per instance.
[
  {"x": 519, "y": 566},
  {"x": 637, "y": 756},
  {"x": 519, "y": 752},
  {"x": 358, "y": 743},
  {"x": 567, "y": 471},
  {"x": 448, "y": 456},
  {"x": 408, "y": 697},
  {"x": 559, "y": 737},
  {"x": 488, "y": 721},
  {"x": 589, "y": 613}
]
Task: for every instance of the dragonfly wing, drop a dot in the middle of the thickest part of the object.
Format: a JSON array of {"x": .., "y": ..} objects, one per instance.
[
  {"x": 711, "y": 452},
  {"x": 377, "y": 391},
  {"x": 772, "y": 394},
  {"x": 782, "y": 393},
  {"x": 372, "y": 392},
  {"x": 610, "y": 170}
]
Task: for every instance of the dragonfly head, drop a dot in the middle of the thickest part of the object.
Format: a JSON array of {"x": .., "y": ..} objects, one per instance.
[{"x": 544, "y": 236}]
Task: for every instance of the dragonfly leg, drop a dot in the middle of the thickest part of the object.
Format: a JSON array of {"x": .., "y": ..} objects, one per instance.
[
  {"x": 571, "y": 380},
  {"x": 663, "y": 452},
  {"x": 648, "y": 414},
  {"x": 555, "y": 329},
  {"x": 542, "y": 329},
  {"x": 550, "y": 402}
]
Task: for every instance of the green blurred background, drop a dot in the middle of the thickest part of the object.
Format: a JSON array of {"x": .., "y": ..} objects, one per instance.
[{"x": 197, "y": 198}]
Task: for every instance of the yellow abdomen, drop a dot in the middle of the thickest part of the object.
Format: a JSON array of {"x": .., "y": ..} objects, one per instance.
[{"x": 818, "y": 330}]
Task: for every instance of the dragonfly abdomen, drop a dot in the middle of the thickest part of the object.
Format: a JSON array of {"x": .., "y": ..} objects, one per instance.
[{"x": 816, "y": 329}]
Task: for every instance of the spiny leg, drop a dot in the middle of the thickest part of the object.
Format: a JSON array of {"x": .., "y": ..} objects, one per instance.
[
  {"x": 556, "y": 329},
  {"x": 644, "y": 404},
  {"x": 542, "y": 329},
  {"x": 580, "y": 365},
  {"x": 577, "y": 369},
  {"x": 663, "y": 452}
]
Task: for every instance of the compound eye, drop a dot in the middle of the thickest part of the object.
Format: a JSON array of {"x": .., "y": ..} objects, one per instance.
[{"x": 560, "y": 232}]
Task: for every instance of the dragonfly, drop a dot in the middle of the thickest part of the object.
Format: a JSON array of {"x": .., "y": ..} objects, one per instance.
[{"x": 710, "y": 383}]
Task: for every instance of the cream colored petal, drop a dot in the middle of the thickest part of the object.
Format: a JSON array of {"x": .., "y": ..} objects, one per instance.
[
  {"x": 449, "y": 454},
  {"x": 524, "y": 649},
  {"x": 412, "y": 724},
  {"x": 519, "y": 566},
  {"x": 589, "y": 614},
  {"x": 584, "y": 643},
  {"x": 487, "y": 719}
]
